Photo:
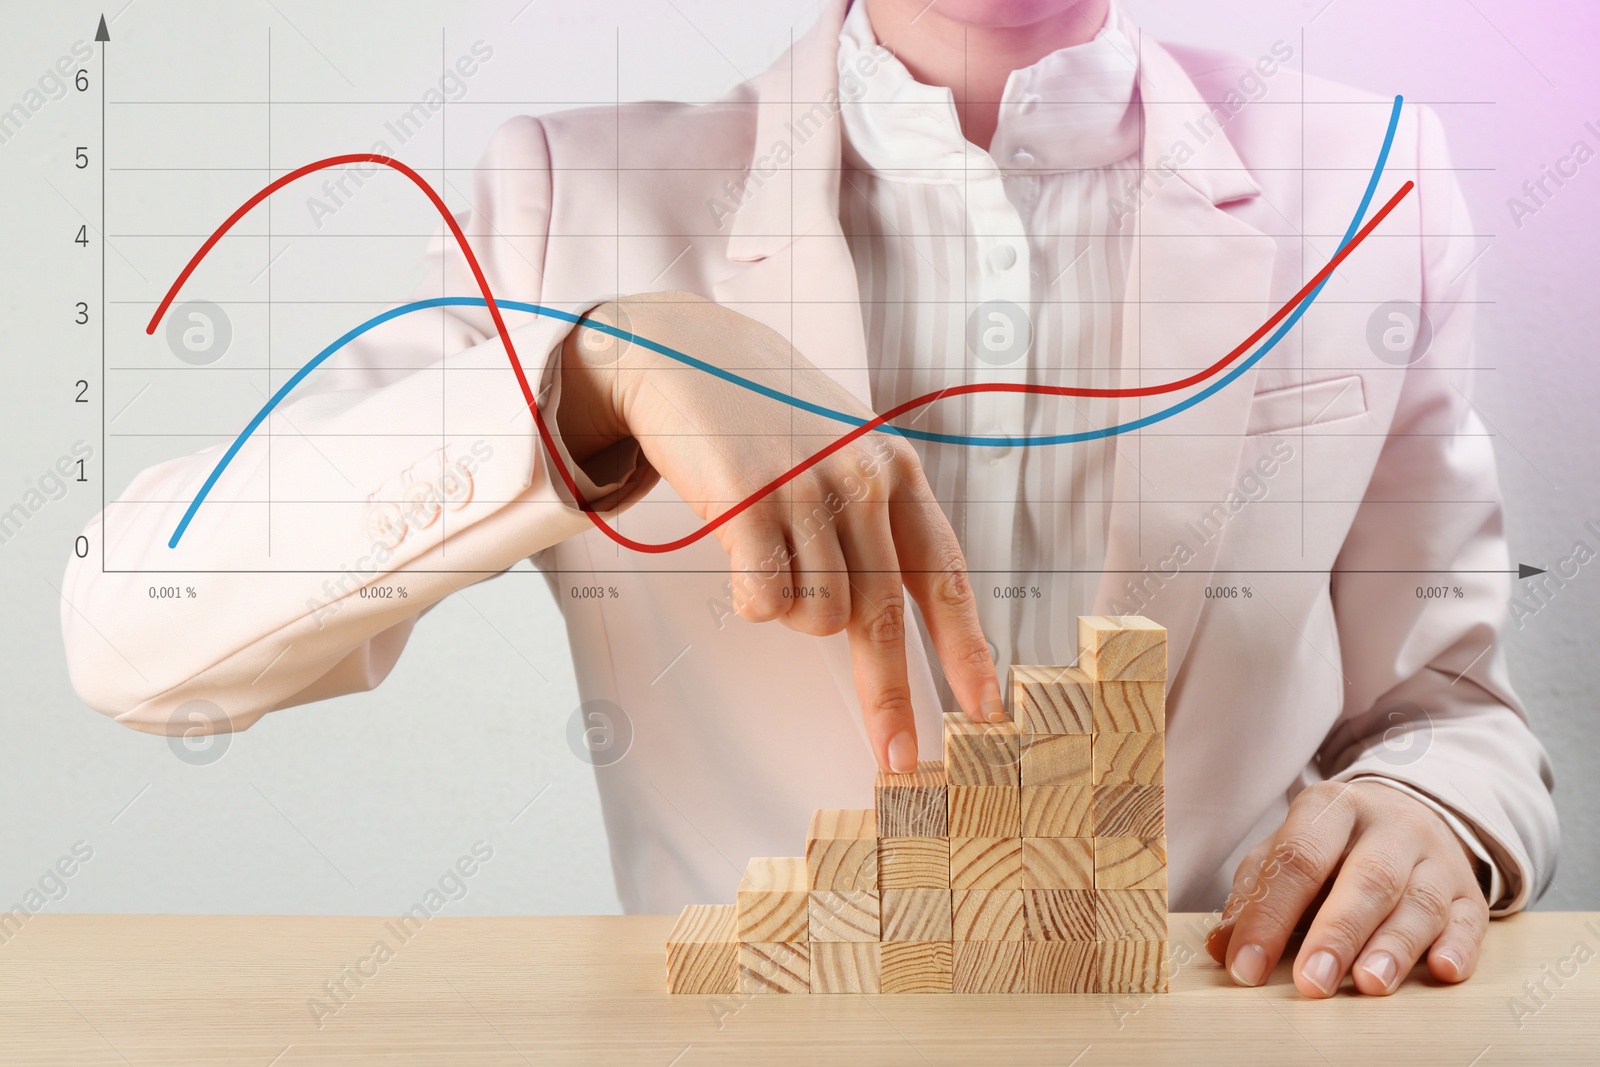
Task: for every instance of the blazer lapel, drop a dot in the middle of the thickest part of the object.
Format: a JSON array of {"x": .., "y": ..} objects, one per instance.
[
  {"x": 789, "y": 264},
  {"x": 1199, "y": 284}
]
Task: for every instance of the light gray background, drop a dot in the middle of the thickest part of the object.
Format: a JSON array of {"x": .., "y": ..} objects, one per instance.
[{"x": 357, "y": 806}]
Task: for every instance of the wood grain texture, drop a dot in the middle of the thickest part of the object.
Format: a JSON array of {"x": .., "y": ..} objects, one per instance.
[
  {"x": 986, "y": 863},
  {"x": 1057, "y": 811},
  {"x": 1058, "y": 863},
  {"x": 1052, "y": 700},
  {"x": 774, "y": 967},
  {"x": 842, "y": 849},
  {"x": 916, "y": 967},
  {"x": 1130, "y": 811},
  {"x": 916, "y": 914},
  {"x": 702, "y": 924},
  {"x": 772, "y": 902},
  {"x": 1122, "y": 648},
  {"x": 1130, "y": 863},
  {"x": 986, "y": 915},
  {"x": 1130, "y": 707},
  {"x": 1130, "y": 915},
  {"x": 980, "y": 753},
  {"x": 990, "y": 967},
  {"x": 1131, "y": 967},
  {"x": 984, "y": 811},
  {"x": 703, "y": 951},
  {"x": 914, "y": 862},
  {"x": 845, "y": 967},
  {"x": 1057, "y": 759},
  {"x": 1058, "y": 914},
  {"x": 1061, "y": 966},
  {"x": 1129, "y": 758},
  {"x": 590, "y": 991},
  {"x": 913, "y": 804},
  {"x": 844, "y": 915}
]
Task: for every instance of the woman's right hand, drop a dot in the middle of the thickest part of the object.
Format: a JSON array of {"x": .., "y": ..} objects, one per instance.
[{"x": 862, "y": 524}]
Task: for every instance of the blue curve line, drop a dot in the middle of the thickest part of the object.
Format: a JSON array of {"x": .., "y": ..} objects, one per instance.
[{"x": 793, "y": 401}]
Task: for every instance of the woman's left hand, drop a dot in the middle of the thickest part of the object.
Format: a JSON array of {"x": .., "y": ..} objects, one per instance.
[{"x": 1400, "y": 885}]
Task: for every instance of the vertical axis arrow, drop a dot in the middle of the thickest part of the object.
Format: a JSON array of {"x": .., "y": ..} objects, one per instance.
[{"x": 102, "y": 37}]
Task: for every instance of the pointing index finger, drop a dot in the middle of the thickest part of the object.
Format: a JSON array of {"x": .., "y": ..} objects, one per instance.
[{"x": 936, "y": 577}]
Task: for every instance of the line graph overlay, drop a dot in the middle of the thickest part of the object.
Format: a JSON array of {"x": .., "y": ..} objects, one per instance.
[{"x": 1284, "y": 318}]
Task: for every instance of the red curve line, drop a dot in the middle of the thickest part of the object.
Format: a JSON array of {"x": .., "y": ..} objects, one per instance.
[{"x": 806, "y": 464}]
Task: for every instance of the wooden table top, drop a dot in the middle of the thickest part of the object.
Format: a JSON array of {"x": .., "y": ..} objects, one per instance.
[{"x": 261, "y": 990}]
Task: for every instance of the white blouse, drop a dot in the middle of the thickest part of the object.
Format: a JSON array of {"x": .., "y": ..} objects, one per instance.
[{"x": 1000, "y": 266}]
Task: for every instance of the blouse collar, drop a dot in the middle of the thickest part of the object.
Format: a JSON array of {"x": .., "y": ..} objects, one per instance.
[{"x": 1075, "y": 109}]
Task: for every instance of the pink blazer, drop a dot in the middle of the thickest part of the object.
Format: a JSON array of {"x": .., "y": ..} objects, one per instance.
[{"x": 739, "y": 730}]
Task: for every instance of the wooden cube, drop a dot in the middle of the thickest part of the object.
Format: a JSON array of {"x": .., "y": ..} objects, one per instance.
[
  {"x": 842, "y": 849},
  {"x": 774, "y": 967},
  {"x": 1052, "y": 700},
  {"x": 1130, "y": 863},
  {"x": 986, "y": 915},
  {"x": 1058, "y": 914},
  {"x": 845, "y": 967},
  {"x": 1130, "y": 707},
  {"x": 1057, "y": 810},
  {"x": 916, "y": 967},
  {"x": 1127, "y": 648},
  {"x": 1130, "y": 915},
  {"x": 916, "y": 914},
  {"x": 986, "y": 863},
  {"x": 1058, "y": 863},
  {"x": 914, "y": 862},
  {"x": 1057, "y": 759},
  {"x": 1127, "y": 759},
  {"x": 984, "y": 811},
  {"x": 773, "y": 903},
  {"x": 844, "y": 915},
  {"x": 1129, "y": 811},
  {"x": 912, "y": 804},
  {"x": 703, "y": 951},
  {"x": 1061, "y": 966},
  {"x": 980, "y": 753},
  {"x": 1131, "y": 967},
  {"x": 990, "y": 967}
]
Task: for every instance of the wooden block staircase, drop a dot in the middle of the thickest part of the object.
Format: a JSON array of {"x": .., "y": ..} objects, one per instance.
[{"x": 1031, "y": 859}]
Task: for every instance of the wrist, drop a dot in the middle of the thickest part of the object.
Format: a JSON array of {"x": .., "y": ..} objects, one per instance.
[
  {"x": 607, "y": 370},
  {"x": 591, "y": 412}
]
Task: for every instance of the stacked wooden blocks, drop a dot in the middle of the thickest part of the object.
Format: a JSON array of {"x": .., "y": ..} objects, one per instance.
[
  {"x": 1094, "y": 839},
  {"x": 1032, "y": 859}
]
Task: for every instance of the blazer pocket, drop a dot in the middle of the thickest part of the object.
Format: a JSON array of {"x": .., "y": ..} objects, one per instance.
[{"x": 1312, "y": 404}]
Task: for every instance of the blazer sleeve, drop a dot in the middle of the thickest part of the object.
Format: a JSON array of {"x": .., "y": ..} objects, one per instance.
[
  {"x": 1429, "y": 702},
  {"x": 412, "y": 459}
]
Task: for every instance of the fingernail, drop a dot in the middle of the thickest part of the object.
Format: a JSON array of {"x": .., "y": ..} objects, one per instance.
[
  {"x": 1216, "y": 942},
  {"x": 1322, "y": 971},
  {"x": 903, "y": 752},
  {"x": 1249, "y": 965},
  {"x": 1381, "y": 966},
  {"x": 1449, "y": 958},
  {"x": 994, "y": 710}
]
